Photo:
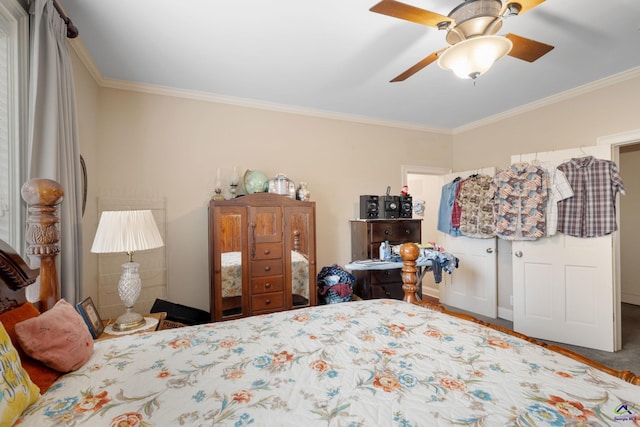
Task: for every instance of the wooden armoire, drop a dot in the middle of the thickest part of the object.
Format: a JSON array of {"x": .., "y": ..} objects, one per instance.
[{"x": 262, "y": 255}]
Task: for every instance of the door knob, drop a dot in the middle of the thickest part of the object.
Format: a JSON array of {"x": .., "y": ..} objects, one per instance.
[
  {"x": 518, "y": 254},
  {"x": 489, "y": 250}
]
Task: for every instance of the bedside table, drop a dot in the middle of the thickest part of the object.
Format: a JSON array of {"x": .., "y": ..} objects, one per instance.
[{"x": 158, "y": 316}]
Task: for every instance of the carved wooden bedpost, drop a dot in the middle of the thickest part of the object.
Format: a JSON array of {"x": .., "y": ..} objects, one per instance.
[
  {"x": 43, "y": 197},
  {"x": 409, "y": 253}
]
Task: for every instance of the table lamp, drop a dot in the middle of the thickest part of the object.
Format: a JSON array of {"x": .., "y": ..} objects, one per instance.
[{"x": 127, "y": 231}]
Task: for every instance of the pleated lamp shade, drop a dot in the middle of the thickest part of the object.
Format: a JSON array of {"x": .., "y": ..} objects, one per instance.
[{"x": 126, "y": 231}]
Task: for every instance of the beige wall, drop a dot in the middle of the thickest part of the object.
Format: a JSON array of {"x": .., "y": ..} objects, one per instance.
[
  {"x": 172, "y": 147},
  {"x": 136, "y": 142},
  {"x": 87, "y": 96},
  {"x": 577, "y": 121}
]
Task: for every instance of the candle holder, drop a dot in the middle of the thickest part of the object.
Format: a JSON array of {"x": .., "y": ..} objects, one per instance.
[
  {"x": 233, "y": 186},
  {"x": 218, "y": 194}
]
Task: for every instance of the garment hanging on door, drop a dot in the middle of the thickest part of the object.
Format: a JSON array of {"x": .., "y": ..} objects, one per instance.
[
  {"x": 591, "y": 212},
  {"x": 559, "y": 189},
  {"x": 520, "y": 202},
  {"x": 447, "y": 199},
  {"x": 475, "y": 197}
]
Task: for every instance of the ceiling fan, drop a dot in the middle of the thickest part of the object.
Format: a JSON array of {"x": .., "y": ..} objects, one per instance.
[{"x": 471, "y": 32}]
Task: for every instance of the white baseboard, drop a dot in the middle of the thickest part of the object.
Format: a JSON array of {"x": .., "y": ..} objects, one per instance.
[
  {"x": 628, "y": 298},
  {"x": 505, "y": 313}
]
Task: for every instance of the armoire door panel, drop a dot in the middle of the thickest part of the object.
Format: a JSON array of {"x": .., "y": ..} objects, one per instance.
[
  {"x": 228, "y": 261},
  {"x": 266, "y": 224},
  {"x": 300, "y": 255}
]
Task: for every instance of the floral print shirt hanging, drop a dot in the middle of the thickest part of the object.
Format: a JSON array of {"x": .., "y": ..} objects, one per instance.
[
  {"x": 475, "y": 197},
  {"x": 520, "y": 201}
]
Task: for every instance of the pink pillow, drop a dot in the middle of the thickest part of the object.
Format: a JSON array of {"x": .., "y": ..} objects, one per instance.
[
  {"x": 39, "y": 373},
  {"x": 59, "y": 338}
]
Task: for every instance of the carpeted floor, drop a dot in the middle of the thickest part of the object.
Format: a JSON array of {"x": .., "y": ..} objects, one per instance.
[{"x": 627, "y": 359}]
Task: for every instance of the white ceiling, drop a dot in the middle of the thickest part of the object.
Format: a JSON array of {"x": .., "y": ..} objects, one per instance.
[{"x": 335, "y": 56}]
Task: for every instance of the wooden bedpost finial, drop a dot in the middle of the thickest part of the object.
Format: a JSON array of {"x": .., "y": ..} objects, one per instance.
[
  {"x": 409, "y": 253},
  {"x": 43, "y": 197}
]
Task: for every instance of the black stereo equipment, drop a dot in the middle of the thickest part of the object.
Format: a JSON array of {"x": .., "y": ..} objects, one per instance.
[
  {"x": 406, "y": 207},
  {"x": 369, "y": 207},
  {"x": 390, "y": 206}
]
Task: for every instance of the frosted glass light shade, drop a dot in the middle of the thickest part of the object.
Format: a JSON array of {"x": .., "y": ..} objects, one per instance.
[
  {"x": 126, "y": 231},
  {"x": 473, "y": 57}
]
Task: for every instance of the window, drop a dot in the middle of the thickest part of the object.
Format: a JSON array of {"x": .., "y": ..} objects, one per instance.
[{"x": 14, "y": 75}]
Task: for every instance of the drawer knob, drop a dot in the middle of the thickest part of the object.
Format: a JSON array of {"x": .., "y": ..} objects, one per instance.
[
  {"x": 267, "y": 285},
  {"x": 407, "y": 231},
  {"x": 267, "y": 301},
  {"x": 267, "y": 251},
  {"x": 267, "y": 268},
  {"x": 386, "y": 231},
  {"x": 387, "y": 273}
]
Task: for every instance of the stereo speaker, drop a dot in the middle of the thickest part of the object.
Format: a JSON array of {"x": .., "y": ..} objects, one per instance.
[
  {"x": 406, "y": 207},
  {"x": 369, "y": 207},
  {"x": 390, "y": 206}
]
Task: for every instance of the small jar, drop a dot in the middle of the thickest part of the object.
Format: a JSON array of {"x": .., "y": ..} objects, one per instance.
[
  {"x": 282, "y": 185},
  {"x": 303, "y": 192}
]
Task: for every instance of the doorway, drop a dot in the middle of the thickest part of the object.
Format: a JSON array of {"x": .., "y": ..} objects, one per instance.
[
  {"x": 624, "y": 146},
  {"x": 629, "y": 210},
  {"x": 425, "y": 184}
]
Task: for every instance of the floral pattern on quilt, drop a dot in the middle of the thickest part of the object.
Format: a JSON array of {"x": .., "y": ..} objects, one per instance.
[{"x": 363, "y": 363}]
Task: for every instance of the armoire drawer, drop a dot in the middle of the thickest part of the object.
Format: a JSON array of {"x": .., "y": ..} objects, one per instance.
[
  {"x": 268, "y": 251},
  {"x": 401, "y": 231},
  {"x": 268, "y": 301},
  {"x": 267, "y": 284},
  {"x": 267, "y": 267}
]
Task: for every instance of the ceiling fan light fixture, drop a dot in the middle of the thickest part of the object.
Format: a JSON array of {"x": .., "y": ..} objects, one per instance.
[{"x": 473, "y": 57}]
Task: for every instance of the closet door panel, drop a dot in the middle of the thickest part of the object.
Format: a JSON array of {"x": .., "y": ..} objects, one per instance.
[
  {"x": 474, "y": 285},
  {"x": 576, "y": 291}
]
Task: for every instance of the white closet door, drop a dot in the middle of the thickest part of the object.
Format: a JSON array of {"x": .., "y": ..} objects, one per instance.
[
  {"x": 473, "y": 286},
  {"x": 563, "y": 286}
]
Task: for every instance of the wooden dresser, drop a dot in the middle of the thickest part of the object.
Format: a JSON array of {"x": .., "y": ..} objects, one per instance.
[
  {"x": 366, "y": 237},
  {"x": 262, "y": 255}
]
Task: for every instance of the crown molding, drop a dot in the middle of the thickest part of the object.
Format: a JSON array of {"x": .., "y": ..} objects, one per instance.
[
  {"x": 261, "y": 105},
  {"x": 86, "y": 59},
  {"x": 88, "y": 62},
  {"x": 553, "y": 99}
]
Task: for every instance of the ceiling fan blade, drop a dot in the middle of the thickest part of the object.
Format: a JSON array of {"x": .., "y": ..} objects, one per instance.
[
  {"x": 409, "y": 13},
  {"x": 527, "y": 49},
  {"x": 419, "y": 66},
  {"x": 525, "y": 5}
]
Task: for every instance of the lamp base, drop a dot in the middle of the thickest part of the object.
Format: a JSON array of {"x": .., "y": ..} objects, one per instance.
[{"x": 128, "y": 321}]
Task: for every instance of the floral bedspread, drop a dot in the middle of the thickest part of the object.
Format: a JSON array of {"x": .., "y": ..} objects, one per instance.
[
  {"x": 232, "y": 274},
  {"x": 363, "y": 363}
]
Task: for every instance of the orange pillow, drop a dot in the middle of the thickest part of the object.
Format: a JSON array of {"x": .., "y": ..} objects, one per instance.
[
  {"x": 39, "y": 373},
  {"x": 59, "y": 338}
]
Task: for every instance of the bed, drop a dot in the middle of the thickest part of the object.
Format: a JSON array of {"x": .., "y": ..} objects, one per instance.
[{"x": 362, "y": 363}]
